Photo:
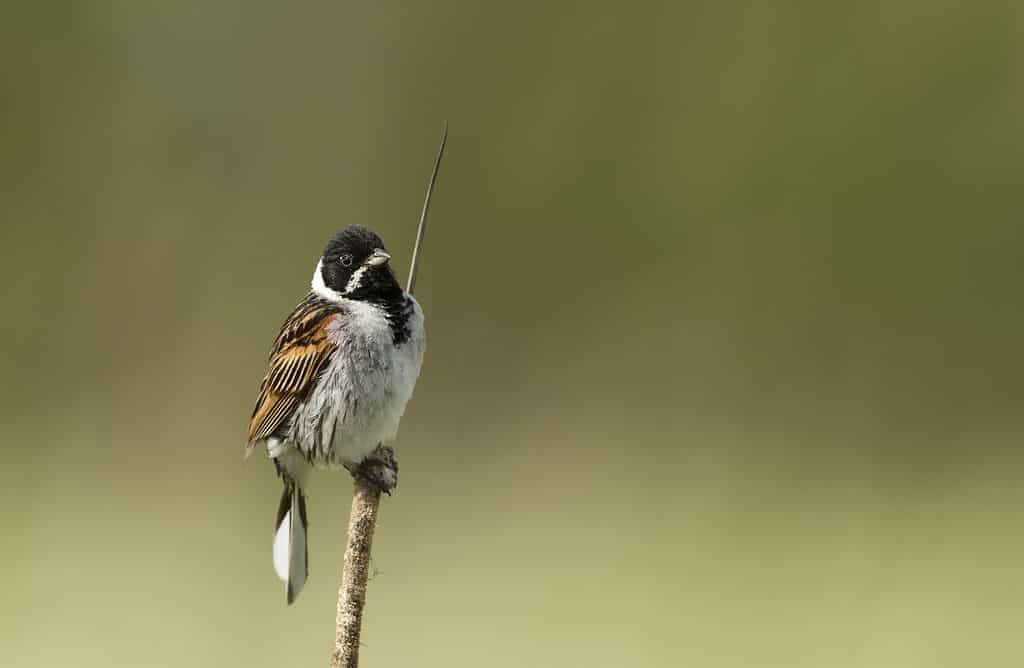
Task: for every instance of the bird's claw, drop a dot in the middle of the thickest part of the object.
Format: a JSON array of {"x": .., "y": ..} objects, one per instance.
[{"x": 378, "y": 470}]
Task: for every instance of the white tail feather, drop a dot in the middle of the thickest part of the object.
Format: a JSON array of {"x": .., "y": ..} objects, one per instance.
[
  {"x": 296, "y": 551},
  {"x": 281, "y": 539},
  {"x": 290, "y": 542}
]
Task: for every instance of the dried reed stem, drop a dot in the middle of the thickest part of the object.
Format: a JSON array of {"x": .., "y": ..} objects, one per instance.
[{"x": 352, "y": 592}]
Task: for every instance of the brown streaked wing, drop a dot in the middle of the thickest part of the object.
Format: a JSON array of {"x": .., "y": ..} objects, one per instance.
[{"x": 300, "y": 353}]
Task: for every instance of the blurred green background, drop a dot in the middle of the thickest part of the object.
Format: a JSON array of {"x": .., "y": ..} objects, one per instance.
[{"x": 724, "y": 321}]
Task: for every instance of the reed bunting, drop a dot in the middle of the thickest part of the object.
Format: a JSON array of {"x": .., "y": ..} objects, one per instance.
[{"x": 341, "y": 370}]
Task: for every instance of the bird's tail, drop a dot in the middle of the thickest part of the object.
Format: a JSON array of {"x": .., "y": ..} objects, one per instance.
[{"x": 290, "y": 539}]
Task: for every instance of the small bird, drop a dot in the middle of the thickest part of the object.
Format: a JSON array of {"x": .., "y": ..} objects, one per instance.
[{"x": 341, "y": 371}]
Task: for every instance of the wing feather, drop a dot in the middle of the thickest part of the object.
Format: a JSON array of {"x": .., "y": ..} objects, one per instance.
[{"x": 300, "y": 353}]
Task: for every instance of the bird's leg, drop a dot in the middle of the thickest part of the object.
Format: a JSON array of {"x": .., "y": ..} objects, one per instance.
[{"x": 379, "y": 469}]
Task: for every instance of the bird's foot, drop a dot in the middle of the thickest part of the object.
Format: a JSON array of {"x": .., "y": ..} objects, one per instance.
[{"x": 378, "y": 470}]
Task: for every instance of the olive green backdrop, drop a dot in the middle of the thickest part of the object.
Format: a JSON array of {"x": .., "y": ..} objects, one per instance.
[{"x": 724, "y": 318}]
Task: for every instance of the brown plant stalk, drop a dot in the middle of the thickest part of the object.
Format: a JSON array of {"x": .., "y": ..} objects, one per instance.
[
  {"x": 365, "y": 504},
  {"x": 354, "y": 575}
]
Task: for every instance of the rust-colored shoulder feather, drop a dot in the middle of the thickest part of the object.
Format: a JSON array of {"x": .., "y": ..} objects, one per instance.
[{"x": 300, "y": 353}]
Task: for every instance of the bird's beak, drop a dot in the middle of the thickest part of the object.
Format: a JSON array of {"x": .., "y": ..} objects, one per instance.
[{"x": 378, "y": 258}]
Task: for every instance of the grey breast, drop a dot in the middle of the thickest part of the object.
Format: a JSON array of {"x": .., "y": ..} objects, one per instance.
[{"x": 363, "y": 391}]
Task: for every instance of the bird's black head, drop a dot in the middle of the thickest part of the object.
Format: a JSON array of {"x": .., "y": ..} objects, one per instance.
[{"x": 355, "y": 266}]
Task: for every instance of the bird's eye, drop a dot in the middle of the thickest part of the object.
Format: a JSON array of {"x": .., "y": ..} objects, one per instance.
[{"x": 346, "y": 260}]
